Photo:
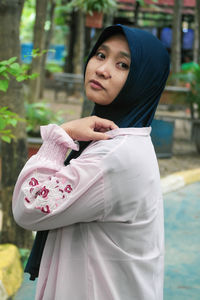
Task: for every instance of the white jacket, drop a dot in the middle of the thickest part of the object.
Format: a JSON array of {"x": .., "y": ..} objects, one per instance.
[{"x": 104, "y": 212}]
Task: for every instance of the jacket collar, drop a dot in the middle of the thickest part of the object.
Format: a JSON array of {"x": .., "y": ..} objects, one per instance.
[{"x": 144, "y": 131}]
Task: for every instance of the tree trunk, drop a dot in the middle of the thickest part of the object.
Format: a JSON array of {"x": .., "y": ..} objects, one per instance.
[
  {"x": 38, "y": 42},
  {"x": 108, "y": 20},
  {"x": 136, "y": 13},
  {"x": 75, "y": 44},
  {"x": 196, "y": 47},
  {"x": 176, "y": 37},
  {"x": 47, "y": 45},
  {"x": 70, "y": 42},
  {"x": 13, "y": 155},
  {"x": 74, "y": 61},
  {"x": 78, "y": 55}
]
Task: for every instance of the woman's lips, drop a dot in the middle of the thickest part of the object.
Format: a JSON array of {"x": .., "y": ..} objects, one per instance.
[{"x": 96, "y": 85}]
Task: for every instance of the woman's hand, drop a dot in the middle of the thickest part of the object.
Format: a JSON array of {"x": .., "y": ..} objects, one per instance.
[{"x": 89, "y": 129}]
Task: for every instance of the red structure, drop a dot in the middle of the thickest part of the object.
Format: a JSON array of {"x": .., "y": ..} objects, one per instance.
[
  {"x": 161, "y": 24},
  {"x": 164, "y": 6},
  {"x": 187, "y": 3}
]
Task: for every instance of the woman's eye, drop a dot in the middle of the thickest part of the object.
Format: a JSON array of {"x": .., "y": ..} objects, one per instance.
[
  {"x": 100, "y": 55},
  {"x": 123, "y": 65}
]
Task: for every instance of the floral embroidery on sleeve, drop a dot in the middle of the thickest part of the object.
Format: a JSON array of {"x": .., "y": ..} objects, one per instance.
[{"x": 45, "y": 196}]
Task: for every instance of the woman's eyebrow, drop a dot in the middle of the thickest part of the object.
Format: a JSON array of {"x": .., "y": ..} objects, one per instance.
[
  {"x": 121, "y": 53},
  {"x": 127, "y": 55},
  {"x": 103, "y": 46}
]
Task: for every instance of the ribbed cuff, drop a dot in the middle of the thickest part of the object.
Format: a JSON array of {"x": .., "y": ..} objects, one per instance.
[{"x": 56, "y": 143}]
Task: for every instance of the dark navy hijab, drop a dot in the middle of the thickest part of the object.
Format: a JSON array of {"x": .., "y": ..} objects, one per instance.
[
  {"x": 134, "y": 106},
  {"x": 136, "y": 103}
]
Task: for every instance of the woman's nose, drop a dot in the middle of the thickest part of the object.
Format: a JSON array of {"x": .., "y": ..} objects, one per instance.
[{"x": 103, "y": 71}]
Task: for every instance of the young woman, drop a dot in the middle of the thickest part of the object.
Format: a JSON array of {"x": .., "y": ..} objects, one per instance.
[{"x": 103, "y": 209}]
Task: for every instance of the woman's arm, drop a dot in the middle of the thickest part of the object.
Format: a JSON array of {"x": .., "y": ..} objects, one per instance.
[{"x": 49, "y": 195}]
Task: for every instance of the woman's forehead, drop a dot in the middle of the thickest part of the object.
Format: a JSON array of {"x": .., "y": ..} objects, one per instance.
[{"x": 118, "y": 43}]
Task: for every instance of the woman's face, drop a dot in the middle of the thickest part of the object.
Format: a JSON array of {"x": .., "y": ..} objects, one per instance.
[{"x": 107, "y": 70}]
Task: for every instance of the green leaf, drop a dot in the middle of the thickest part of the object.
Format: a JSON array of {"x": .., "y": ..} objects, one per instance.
[
  {"x": 15, "y": 69},
  {"x": 11, "y": 60},
  {"x": 2, "y": 69},
  {"x": 21, "y": 78},
  {"x": 189, "y": 66},
  {"x": 6, "y": 132},
  {"x": 3, "y": 85},
  {"x": 3, "y": 109},
  {"x": 6, "y": 138},
  {"x": 13, "y": 122},
  {"x": 4, "y": 63},
  {"x": 5, "y": 75},
  {"x": 36, "y": 52},
  {"x": 9, "y": 114},
  {"x": 33, "y": 76},
  {"x": 3, "y": 124}
]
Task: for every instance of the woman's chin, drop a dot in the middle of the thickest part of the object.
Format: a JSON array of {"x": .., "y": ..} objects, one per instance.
[{"x": 98, "y": 101}]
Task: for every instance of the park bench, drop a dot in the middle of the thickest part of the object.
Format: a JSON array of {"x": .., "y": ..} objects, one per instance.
[{"x": 67, "y": 82}]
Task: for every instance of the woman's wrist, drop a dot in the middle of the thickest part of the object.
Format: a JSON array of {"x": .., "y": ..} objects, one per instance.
[{"x": 66, "y": 127}]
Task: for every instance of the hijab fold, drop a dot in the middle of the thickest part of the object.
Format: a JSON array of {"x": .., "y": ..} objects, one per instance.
[{"x": 134, "y": 106}]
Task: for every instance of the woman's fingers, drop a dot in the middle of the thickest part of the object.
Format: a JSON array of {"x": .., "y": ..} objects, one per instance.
[
  {"x": 97, "y": 136},
  {"x": 104, "y": 123}
]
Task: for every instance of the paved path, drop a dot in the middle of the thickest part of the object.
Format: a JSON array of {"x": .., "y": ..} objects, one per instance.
[
  {"x": 27, "y": 290},
  {"x": 182, "y": 228},
  {"x": 182, "y": 236}
]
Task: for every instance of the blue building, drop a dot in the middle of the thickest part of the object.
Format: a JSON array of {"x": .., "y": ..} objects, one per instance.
[{"x": 56, "y": 53}]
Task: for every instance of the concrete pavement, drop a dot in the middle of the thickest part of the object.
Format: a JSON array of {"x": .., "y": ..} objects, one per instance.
[
  {"x": 182, "y": 259},
  {"x": 27, "y": 290},
  {"x": 182, "y": 226}
]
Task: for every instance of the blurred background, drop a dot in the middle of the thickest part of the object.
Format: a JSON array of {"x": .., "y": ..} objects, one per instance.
[{"x": 43, "y": 49}]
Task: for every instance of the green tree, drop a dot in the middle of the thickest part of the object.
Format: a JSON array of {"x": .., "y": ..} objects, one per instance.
[
  {"x": 27, "y": 21},
  {"x": 38, "y": 44},
  {"x": 14, "y": 154},
  {"x": 48, "y": 38}
]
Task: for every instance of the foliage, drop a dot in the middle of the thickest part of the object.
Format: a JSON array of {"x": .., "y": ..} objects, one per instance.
[
  {"x": 36, "y": 114},
  {"x": 61, "y": 21},
  {"x": 53, "y": 67},
  {"x": 11, "y": 68},
  {"x": 89, "y": 6},
  {"x": 40, "y": 113},
  {"x": 190, "y": 75},
  {"x": 7, "y": 118},
  {"x": 27, "y": 21}
]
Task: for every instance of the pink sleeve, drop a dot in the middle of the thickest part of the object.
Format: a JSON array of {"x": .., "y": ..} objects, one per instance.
[{"x": 49, "y": 195}]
